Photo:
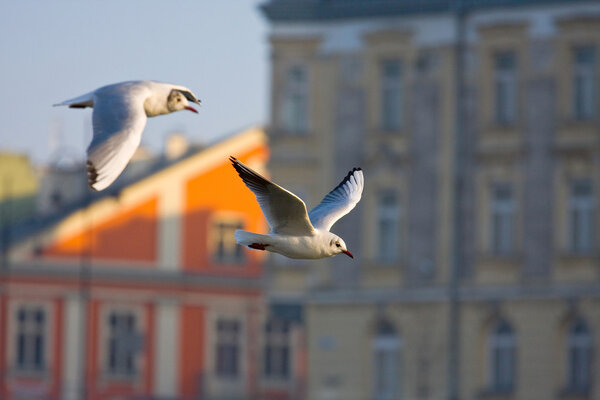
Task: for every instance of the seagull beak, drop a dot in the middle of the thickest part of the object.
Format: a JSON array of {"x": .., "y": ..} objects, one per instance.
[
  {"x": 348, "y": 253},
  {"x": 191, "y": 109}
]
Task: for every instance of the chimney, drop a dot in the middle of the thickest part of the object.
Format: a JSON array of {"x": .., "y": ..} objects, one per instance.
[{"x": 176, "y": 146}]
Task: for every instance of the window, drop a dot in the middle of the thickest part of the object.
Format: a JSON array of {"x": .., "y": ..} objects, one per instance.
[
  {"x": 386, "y": 362},
  {"x": 31, "y": 338},
  {"x": 388, "y": 226},
  {"x": 391, "y": 95},
  {"x": 294, "y": 107},
  {"x": 277, "y": 350},
  {"x": 502, "y": 219},
  {"x": 579, "y": 357},
  {"x": 584, "y": 82},
  {"x": 502, "y": 358},
  {"x": 505, "y": 87},
  {"x": 581, "y": 224},
  {"x": 124, "y": 343},
  {"x": 228, "y": 348},
  {"x": 226, "y": 250}
]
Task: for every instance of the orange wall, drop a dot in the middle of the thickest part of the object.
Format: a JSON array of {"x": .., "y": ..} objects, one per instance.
[
  {"x": 209, "y": 193},
  {"x": 130, "y": 235}
]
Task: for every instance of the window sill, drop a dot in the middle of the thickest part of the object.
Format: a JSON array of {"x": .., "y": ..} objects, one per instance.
[
  {"x": 508, "y": 258},
  {"x": 390, "y": 132},
  {"x": 496, "y": 394},
  {"x": 124, "y": 378},
  {"x": 227, "y": 378},
  {"x": 574, "y": 394},
  {"x": 501, "y": 128},
  {"x": 576, "y": 256},
  {"x": 579, "y": 122},
  {"x": 276, "y": 383},
  {"x": 20, "y": 372}
]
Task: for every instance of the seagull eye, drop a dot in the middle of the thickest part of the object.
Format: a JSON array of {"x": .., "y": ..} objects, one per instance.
[{"x": 337, "y": 245}]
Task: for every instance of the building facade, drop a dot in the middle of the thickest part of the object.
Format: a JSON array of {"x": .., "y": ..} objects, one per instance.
[
  {"x": 477, "y": 240},
  {"x": 142, "y": 293}
]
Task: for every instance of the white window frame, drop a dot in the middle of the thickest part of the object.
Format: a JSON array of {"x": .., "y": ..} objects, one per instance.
[
  {"x": 581, "y": 218},
  {"x": 502, "y": 359},
  {"x": 225, "y": 250},
  {"x": 125, "y": 350},
  {"x": 392, "y": 96},
  {"x": 505, "y": 89},
  {"x": 584, "y": 84},
  {"x": 277, "y": 342},
  {"x": 389, "y": 243},
  {"x": 30, "y": 333},
  {"x": 387, "y": 350},
  {"x": 579, "y": 358},
  {"x": 227, "y": 341},
  {"x": 294, "y": 110},
  {"x": 502, "y": 220}
]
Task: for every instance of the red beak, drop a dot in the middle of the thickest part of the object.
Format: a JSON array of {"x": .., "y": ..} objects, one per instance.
[
  {"x": 348, "y": 253},
  {"x": 191, "y": 109}
]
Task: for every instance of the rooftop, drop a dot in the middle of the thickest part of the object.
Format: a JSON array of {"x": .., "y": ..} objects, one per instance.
[{"x": 321, "y": 10}]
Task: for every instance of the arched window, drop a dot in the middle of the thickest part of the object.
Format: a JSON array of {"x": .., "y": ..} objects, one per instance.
[
  {"x": 387, "y": 347},
  {"x": 502, "y": 358},
  {"x": 579, "y": 356}
]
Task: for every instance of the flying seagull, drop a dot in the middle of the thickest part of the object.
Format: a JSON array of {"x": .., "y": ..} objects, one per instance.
[
  {"x": 294, "y": 232},
  {"x": 119, "y": 117}
]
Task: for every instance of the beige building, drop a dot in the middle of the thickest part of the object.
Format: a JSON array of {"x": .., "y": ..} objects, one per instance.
[
  {"x": 477, "y": 241},
  {"x": 18, "y": 188}
]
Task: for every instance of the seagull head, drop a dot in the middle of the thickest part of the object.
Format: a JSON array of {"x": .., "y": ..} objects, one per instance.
[
  {"x": 179, "y": 99},
  {"x": 338, "y": 246}
]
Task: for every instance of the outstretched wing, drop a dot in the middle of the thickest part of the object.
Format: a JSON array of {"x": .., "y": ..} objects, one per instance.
[
  {"x": 118, "y": 124},
  {"x": 339, "y": 202},
  {"x": 285, "y": 212}
]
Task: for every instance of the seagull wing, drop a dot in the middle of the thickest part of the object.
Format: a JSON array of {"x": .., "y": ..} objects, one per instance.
[
  {"x": 285, "y": 212},
  {"x": 118, "y": 121},
  {"x": 339, "y": 202}
]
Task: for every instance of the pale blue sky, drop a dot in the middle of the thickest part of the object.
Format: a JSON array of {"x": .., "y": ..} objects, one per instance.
[{"x": 55, "y": 50}]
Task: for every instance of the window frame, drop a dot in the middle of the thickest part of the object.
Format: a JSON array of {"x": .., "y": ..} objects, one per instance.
[
  {"x": 386, "y": 349},
  {"x": 223, "y": 239},
  {"x": 277, "y": 350},
  {"x": 505, "y": 89},
  {"x": 228, "y": 355},
  {"x": 391, "y": 215},
  {"x": 579, "y": 348},
  {"x": 584, "y": 84},
  {"x": 391, "y": 113},
  {"x": 293, "y": 111},
  {"x": 502, "y": 220},
  {"x": 581, "y": 218},
  {"x": 111, "y": 338},
  {"x": 502, "y": 359},
  {"x": 29, "y": 365}
]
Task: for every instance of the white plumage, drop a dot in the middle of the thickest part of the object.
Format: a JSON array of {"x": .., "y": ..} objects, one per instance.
[
  {"x": 119, "y": 118},
  {"x": 294, "y": 232}
]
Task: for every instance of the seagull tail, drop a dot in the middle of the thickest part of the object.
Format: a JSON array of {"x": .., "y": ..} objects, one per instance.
[{"x": 251, "y": 240}]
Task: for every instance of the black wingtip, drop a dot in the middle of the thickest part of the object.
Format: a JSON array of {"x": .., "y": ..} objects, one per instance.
[
  {"x": 347, "y": 177},
  {"x": 92, "y": 174}
]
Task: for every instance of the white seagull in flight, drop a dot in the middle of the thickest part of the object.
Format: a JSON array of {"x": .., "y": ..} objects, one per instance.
[
  {"x": 119, "y": 117},
  {"x": 294, "y": 232}
]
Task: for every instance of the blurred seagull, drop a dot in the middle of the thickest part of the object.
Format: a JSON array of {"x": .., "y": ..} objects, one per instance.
[
  {"x": 294, "y": 232},
  {"x": 119, "y": 117}
]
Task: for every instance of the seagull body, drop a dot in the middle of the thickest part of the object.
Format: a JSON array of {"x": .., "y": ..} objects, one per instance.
[
  {"x": 295, "y": 233},
  {"x": 119, "y": 118}
]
